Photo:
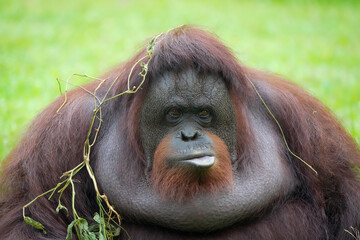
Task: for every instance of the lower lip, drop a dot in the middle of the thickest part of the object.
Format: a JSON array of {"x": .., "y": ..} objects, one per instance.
[{"x": 201, "y": 162}]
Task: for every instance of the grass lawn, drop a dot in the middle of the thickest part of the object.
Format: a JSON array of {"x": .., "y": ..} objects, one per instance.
[{"x": 313, "y": 43}]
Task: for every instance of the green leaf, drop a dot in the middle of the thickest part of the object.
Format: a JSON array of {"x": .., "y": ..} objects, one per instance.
[
  {"x": 151, "y": 45},
  {"x": 101, "y": 237},
  {"x": 85, "y": 234},
  {"x": 116, "y": 233},
  {"x": 69, "y": 230},
  {"x": 97, "y": 218},
  {"x": 89, "y": 236},
  {"x": 35, "y": 224},
  {"x": 83, "y": 225},
  {"x": 80, "y": 222}
]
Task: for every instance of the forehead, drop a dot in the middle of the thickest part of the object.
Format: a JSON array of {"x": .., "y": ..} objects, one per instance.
[{"x": 188, "y": 86}]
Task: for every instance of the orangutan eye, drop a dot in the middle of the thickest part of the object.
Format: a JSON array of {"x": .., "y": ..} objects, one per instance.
[
  {"x": 204, "y": 114},
  {"x": 174, "y": 113}
]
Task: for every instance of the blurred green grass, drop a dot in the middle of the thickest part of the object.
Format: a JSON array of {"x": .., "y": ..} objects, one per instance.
[{"x": 312, "y": 43}]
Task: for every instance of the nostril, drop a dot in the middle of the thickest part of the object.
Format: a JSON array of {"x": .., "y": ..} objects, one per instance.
[
  {"x": 184, "y": 137},
  {"x": 189, "y": 136},
  {"x": 195, "y": 135}
]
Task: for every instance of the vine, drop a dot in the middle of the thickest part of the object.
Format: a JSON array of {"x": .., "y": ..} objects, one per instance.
[
  {"x": 279, "y": 126},
  {"x": 107, "y": 222},
  {"x": 354, "y": 233}
]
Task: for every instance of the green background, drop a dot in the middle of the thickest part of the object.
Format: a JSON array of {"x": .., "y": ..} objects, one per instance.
[{"x": 315, "y": 44}]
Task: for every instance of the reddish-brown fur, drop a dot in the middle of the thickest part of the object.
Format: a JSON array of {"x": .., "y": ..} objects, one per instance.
[
  {"x": 321, "y": 208},
  {"x": 182, "y": 183}
]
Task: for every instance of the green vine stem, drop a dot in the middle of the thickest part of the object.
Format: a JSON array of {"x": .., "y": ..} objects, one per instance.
[
  {"x": 108, "y": 219},
  {"x": 111, "y": 227},
  {"x": 279, "y": 126}
]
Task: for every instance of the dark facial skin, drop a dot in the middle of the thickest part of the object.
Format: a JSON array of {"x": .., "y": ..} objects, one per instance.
[
  {"x": 175, "y": 104},
  {"x": 186, "y": 105}
]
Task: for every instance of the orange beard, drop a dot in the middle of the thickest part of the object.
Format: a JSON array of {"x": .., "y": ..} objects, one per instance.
[{"x": 182, "y": 183}]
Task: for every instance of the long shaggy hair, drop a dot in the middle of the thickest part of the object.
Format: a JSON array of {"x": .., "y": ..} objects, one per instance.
[{"x": 321, "y": 208}]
